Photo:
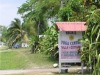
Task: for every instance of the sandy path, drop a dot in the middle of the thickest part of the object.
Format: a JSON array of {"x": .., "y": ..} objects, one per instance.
[{"x": 11, "y": 72}]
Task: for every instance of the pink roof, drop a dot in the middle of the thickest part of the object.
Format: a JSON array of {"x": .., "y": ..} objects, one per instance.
[{"x": 71, "y": 26}]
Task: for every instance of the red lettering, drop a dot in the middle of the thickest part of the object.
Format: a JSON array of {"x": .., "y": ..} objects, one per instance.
[
  {"x": 64, "y": 47},
  {"x": 75, "y": 47}
]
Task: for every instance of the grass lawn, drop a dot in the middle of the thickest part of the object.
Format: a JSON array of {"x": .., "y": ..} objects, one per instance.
[{"x": 23, "y": 59}]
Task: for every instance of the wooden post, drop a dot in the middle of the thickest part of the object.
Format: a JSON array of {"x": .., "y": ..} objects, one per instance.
[{"x": 82, "y": 68}]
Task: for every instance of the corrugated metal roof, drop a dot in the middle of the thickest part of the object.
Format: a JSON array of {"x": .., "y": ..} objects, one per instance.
[{"x": 71, "y": 26}]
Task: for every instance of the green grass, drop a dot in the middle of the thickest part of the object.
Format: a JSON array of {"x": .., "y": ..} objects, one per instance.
[
  {"x": 41, "y": 60},
  {"x": 11, "y": 60},
  {"x": 23, "y": 59},
  {"x": 3, "y": 48}
]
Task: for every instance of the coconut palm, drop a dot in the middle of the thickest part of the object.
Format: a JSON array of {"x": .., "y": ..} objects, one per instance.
[{"x": 16, "y": 33}]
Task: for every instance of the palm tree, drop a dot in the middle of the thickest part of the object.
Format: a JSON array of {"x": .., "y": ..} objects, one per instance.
[{"x": 16, "y": 33}]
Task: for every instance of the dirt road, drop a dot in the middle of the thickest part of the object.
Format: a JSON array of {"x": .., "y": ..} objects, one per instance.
[
  {"x": 12, "y": 72},
  {"x": 37, "y": 71}
]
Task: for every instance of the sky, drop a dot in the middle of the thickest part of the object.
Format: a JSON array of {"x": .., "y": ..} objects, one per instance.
[{"x": 8, "y": 11}]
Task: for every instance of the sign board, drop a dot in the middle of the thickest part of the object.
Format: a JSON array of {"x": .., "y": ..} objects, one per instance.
[
  {"x": 69, "y": 34},
  {"x": 69, "y": 46}
]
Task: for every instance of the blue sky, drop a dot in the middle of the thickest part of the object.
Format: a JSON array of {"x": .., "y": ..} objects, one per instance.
[{"x": 8, "y": 10}]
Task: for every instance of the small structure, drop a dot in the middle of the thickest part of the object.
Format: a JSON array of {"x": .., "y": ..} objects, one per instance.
[
  {"x": 1, "y": 44},
  {"x": 24, "y": 45},
  {"x": 68, "y": 44}
]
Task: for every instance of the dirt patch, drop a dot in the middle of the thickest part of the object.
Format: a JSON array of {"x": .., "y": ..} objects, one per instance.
[
  {"x": 39, "y": 73},
  {"x": 29, "y": 72}
]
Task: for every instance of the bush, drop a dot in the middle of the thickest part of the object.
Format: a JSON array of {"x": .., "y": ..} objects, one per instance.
[{"x": 48, "y": 43}]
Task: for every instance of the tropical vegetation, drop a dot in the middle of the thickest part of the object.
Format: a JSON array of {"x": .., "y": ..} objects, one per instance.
[
  {"x": 16, "y": 33},
  {"x": 39, "y": 15},
  {"x": 3, "y": 32}
]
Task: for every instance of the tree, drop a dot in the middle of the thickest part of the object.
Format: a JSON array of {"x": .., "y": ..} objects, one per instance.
[
  {"x": 33, "y": 15},
  {"x": 16, "y": 33},
  {"x": 3, "y": 33},
  {"x": 39, "y": 11}
]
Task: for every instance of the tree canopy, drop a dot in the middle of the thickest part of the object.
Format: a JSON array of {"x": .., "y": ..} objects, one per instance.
[
  {"x": 36, "y": 15},
  {"x": 3, "y": 32}
]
